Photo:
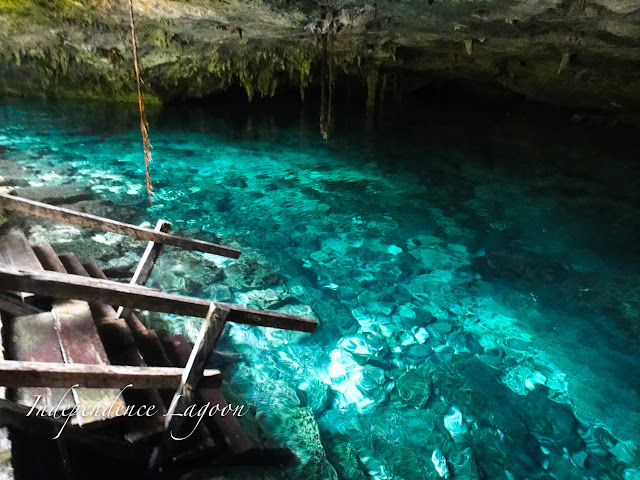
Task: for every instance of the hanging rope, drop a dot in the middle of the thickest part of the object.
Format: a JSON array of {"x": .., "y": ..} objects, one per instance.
[
  {"x": 144, "y": 125},
  {"x": 326, "y": 86}
]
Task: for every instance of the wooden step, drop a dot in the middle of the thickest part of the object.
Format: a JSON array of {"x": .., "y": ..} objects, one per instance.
[
  {"x": 121, "y": 349},
  {"x": 66, "y": 334}
]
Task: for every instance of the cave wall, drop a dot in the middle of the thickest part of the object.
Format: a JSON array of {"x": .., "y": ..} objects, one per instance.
[{"x": 577, "y": 53}]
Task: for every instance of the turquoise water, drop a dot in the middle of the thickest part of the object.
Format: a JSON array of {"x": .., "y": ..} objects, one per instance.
[{"x": 474, "y": 274}]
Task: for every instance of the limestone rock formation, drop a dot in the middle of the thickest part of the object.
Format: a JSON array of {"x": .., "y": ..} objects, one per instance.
[{"x": 582, "y": 53}]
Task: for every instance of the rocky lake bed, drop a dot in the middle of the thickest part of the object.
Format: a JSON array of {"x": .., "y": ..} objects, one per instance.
[{"x": 443, "y": 350}]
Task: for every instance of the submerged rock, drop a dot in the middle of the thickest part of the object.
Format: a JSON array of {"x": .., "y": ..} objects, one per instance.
[
  {"x": 414, "y": 387},
  {"x": 454, "y": 423},
  {"x": 440, "y": 463},
  {"x": 56, "y": 195}
]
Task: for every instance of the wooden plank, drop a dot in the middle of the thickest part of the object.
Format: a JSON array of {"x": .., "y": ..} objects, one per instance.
[
  {"x": 16, "y": 307},
  {"x": 135, "y": 325},
  {"x": 15, "y": 416},
  {"x": 147, "y": 262},
  {"x": 44, "y": 210},
  {"x": 205, "y": 344},
  {"x": 210, "y": 332},
  {"x": 151, "y": 254},
  {"x": 226, "y": 430},
  {"x": 133, "y": 296},
  {"x": 79, "y": 343},
  {"x": 120, "y": 346},
  {"x": 35, "y": 338},
  {"x": 78, "y": 333},
  {"x": 48, "y": 258},
  {"x": 60, "y": 375},
  {"x": 16, "y": 251}
]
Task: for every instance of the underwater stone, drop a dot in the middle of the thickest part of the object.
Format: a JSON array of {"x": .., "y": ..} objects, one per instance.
[
  {"x": 420, "y": 334},
  {"x": 261, "y": 299},
  {"x": 466, "y": 343},
  {"x": 389, "y": 327},
  {"x": 89, "y": 250},
  {"x": 246, "y": 274},
  {"x": 414, "y": 387},
  {"x": 441, "y": 328},
  {"x": 456, "y": 309},
  {"x": 406, "y": 311},
  {"x": 371, "y": 383},
  {"x": 54, "y": 233},
  {"x": 353, "y": 384},
  {"x": 579, "y": 459},
  {"x": 416, "y": 335},
  {"x": 492, "y": 357},
  {"x": 342, "y": 421},
  {"x": 415, "y": 354},
  {"x": 313, "y": 393},
  {"x": 523, "y": 378},
  {"x": 277, "y": 338},
  {"x": 125, "y": 265},
  {"x": 343, "y": 457},
  {"x": 380, "y": 308},
  {"x": 299, "y": 310},
  {"x": 394, "y": 249},
  {"x": 320, "y": 256},
  {"x": 465, "y": 466},
  {"x": 631, "y": 474},
  {"x": 357, "y": 345},
  {"x": 58, "y": 194},
  {"x": 440, "y": 463},
  {"x": 626, "y": 452},
  {"x": 454, "y": 423},
  {"x": 220, "y": 293},
  {"x": 297, "y": 429}
]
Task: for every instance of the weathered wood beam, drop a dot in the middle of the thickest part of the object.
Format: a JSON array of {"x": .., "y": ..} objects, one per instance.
[
  {"x": 49, "y": 258},
  {"x": 15, "y": 415},
  {"x": 147, "y": 262},
  {"x": 44, "y": 210},
  {"x": 16, "y": 307},
  {"x": 64, "y": 375},
  {"x": 205, "y": 344},
  {"x": 15, "y": 251},
  {"x": 225, "y": 429},
  {"x": 106, "y": 291},
  {"x": 184, "y": 396}
]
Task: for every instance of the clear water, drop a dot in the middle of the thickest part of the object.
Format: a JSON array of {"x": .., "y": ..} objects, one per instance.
[{"x": 475, "y": 276}]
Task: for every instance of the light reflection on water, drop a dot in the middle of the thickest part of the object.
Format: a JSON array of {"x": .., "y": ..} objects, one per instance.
[{"x": 475, "y": 277}]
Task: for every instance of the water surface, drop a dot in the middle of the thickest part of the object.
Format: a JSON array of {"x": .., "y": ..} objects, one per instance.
[{"x": 474, "y": 274}]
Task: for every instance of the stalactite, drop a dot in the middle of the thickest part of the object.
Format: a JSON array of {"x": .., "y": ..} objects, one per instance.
[
  {"x": 383, "y": 88},
  {"x": 372, "y": 88},
  {"x": 468, "y": 46},
  {"x": 564, "y": 62}
]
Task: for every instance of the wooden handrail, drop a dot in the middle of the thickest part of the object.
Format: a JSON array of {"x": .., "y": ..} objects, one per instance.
[
  {"x": 146, "y": 264},
  {"x": 44, "y": 210},
  {"x": 59, "y": 285}
]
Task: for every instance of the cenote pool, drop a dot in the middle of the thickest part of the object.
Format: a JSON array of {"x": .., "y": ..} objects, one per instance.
[{"x": 475, "y": 275}]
